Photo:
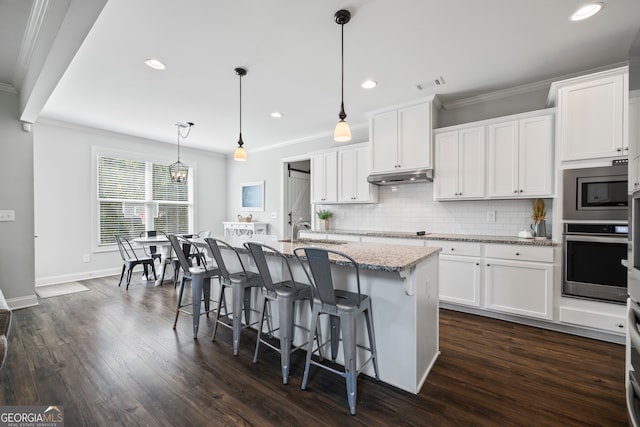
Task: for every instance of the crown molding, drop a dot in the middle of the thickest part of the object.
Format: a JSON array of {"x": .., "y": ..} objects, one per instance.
[{"x": 38, "y": 11}]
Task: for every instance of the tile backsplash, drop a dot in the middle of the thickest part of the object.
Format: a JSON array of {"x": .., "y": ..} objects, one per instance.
[{"x": 410, "y": 208}]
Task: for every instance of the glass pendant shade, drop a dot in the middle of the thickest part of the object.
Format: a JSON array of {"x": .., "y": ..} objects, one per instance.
[
  {"x": 342, "y": 133},
  {"x": 240, "y": 154}
]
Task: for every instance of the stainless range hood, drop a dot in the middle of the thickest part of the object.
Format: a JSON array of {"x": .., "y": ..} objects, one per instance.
[{"x": 405, "y": 177}]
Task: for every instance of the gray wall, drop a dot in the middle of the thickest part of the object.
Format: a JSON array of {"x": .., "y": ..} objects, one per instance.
[
  {"x": 16, "y": 193},
  {"x": 65, "y": 203}
]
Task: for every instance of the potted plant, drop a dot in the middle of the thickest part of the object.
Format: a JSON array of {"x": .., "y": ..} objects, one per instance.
[
  {"x": 323, "y": 216},
  {"x": 539, "y": 213}
]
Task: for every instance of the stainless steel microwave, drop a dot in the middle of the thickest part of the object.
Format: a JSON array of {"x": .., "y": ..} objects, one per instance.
[{"x": 596, "y": 193}]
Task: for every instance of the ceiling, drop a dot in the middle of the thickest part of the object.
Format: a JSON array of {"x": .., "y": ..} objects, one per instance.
[{"x": 291, "y": 49}]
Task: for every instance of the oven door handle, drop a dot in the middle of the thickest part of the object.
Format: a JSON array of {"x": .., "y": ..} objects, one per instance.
[{"x": 595, "y": 239}]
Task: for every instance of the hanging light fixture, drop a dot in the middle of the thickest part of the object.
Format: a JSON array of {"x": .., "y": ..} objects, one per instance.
[
  {"x": 342, "y": 133},
  {"x": 178, "y": 171},
  {"x": 240, "y": 154}
]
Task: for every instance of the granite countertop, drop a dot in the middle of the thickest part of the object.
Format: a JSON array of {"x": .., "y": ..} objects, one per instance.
[
  {"x": 508, "y": 240},
  {"x": 369, "y": 256}
]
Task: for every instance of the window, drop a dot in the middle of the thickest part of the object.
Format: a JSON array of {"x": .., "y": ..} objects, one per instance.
[{"x": 134, "y": 196}]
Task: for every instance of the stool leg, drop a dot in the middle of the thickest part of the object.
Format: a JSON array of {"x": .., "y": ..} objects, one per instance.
[
  {"x": 206, "y": 292},
  {"x": 285, "y": 314},
  {"x": 237, "y": 291},
  {"x": 175, "y": 322},
  {"x": 307, "y": 363},
  {"x": 220, "y": 299},
  {"x": 335, "y": 336},
  {"x": 372, "y": 339},
  {"x": 349, "y": 348},
  {"x": 122, "y": 274},
  {"x": 255, "y": 354}
]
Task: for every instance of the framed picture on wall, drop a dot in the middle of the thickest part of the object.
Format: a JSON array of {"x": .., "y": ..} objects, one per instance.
[{"x": 252, "y": 196}]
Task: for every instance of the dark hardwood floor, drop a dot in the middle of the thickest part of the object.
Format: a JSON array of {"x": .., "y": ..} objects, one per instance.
[{"x": 110, "y": 357}]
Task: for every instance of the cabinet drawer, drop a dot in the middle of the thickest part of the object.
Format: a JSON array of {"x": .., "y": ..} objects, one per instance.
[
  {"x": 520, "y": 253},
  {"x": 593, "y": 319},
  {"x": 456, "y": 248}
]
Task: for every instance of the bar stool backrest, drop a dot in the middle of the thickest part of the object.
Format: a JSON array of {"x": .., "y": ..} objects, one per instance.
[
  {"x": 320, "y": 266},
  {"x": 126, "y": 250},
  {"x": 257, "y": 253},
  {"x": 182, "y": 248},
  {"x": 215, "y": 245}
]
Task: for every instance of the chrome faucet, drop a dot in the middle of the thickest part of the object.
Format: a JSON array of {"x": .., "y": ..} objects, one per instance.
[{"x": 295, "y": 228}]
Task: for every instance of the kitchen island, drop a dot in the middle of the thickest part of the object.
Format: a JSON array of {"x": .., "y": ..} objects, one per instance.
[{"x": 402, "y": 282}]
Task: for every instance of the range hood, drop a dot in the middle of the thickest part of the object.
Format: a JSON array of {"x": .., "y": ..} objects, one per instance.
[{"x": 404, "y": 177}]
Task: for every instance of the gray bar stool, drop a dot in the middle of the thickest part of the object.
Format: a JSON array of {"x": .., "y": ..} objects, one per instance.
[
  {"x": 285, "y": 293},
  {"x": 200, "y": 278},
  {"x": 343, "y": 308},
  {"x": 241, "y": 283}
]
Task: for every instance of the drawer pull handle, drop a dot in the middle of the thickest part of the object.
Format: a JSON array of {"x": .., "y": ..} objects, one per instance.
[
  {"x": 517, "y": 253},
  {"x": 620, "y": 325},
  {"x": 453, "y": 249}
]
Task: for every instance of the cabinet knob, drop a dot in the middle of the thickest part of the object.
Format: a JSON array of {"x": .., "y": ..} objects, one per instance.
[
  {"x": 626, "y": 148},
  {"x": 453, "y": 249},
  {"x": 477, "y": 263},
  {"x": 515, "y": 191},
  {"x": 522, "y": 191},
  {"x": 620, "y": 325},
  {"x": 517, "y": 253},
  {"x": 459, "y": 194},
  {"x": 488, "y": 265},
  {"x": 618, "y": 149}
]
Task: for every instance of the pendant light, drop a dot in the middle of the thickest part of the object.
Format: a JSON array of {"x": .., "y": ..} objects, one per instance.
[
  {"x": 342, "y": 133},
  {"x": 240, "y": 154},
  {"x": 179, "y": 171}
]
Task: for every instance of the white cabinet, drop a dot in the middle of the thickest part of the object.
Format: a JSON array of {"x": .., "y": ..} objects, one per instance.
[
  {"x": 591, "y": 115},
  {"x": 634, "y": 141},
  {"x": 401, "y": 138},
  {"x": 519, "y": 280},
  {"x": 459, "y": 170},
  {"x": 353, "y": 170},
  {"x": 520, "y": 159},
  {"x": 460, "y": 272},
  {"x": 324, "y": 177}
]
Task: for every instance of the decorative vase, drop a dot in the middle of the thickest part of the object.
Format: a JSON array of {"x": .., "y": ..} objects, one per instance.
[
  {"x": 324, "y": 224},
  {"x": 539, "y": 230}
]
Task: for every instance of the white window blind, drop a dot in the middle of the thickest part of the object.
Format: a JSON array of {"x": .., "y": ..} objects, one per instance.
[{"x": 134, "y": 196}]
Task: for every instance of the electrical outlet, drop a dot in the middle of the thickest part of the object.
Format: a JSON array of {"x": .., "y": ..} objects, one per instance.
[
  {"x": 274, "y": 215},
  {"x": 491, "y": 216},
  {"x": 8, "y": 215},
  {"x": 86, "y": 258}
]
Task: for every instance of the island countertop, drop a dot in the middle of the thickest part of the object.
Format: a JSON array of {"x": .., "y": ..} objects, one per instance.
[{"x": 370, "y": 256}]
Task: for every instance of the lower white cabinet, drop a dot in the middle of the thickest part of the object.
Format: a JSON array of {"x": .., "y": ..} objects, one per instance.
[{"x": 460, "y": 280}]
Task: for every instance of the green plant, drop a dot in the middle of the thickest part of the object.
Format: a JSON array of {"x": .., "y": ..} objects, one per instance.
[
  {"x": 539, "y": 213},
  {"x": 324, "y": 214}
]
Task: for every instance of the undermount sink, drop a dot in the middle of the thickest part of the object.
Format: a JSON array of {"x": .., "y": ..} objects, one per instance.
[{"x": 314, "y": 241}]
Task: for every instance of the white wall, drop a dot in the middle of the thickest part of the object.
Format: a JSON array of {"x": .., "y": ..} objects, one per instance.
[
  {"x": 16, "y": 193},
  {"x": 64, "y": 201}
]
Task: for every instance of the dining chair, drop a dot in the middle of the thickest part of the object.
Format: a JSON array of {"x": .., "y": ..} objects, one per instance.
[
  {"x": 200, "y": 278},
  {"x": 343, "y": 308},
  {"x": 285, "y": 293},
  {"x": 130, "y": 260},
  {"x": 241, "y": 282}
]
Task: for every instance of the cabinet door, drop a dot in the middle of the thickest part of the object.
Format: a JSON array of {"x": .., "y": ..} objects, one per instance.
[
  {"x": 446, "y": 166},
  {"x": 363, "y": 191},
  {"x": 471, "y": 163},
  {"x": 503, "y": 159},
  {"x": 414, "y": 136},
  {"x": 324, "y": 178},
  {"x": 634, "y": 141},
  {"x": 346, "y": 174},
  {"x": 591, "y": 119},
  {"x": 535, "y": 149},
  {"x": 384, "y": 141},
  {"x": 524, "y": 288},
  {"x": 460, "y": 280}
]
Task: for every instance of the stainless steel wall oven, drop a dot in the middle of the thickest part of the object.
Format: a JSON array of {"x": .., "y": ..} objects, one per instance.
[{"x": 592, "y": 264}]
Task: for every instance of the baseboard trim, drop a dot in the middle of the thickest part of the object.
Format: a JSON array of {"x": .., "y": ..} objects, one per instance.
[
  {"x": 22, "y": 302},
  {"x": 74, "y": 277}
]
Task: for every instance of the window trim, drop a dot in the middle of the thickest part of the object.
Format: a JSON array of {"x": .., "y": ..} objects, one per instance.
[{"x": 136, "y": 156}]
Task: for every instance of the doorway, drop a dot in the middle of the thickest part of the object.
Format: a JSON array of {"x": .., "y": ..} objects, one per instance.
[{"x": 297, "y": 190}]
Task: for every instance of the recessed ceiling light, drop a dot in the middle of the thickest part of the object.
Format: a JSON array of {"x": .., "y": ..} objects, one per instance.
[
  {"x": 154, "y": 63},
  {"x": 587, "y": 11},
  {"x": 369, "y": 84},
  {"x": 276, "y": 114}
]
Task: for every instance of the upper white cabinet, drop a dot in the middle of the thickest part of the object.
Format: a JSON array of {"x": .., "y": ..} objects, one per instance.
[
  {"x": 459, "y": 170},
  {"x": 520, "y": 159},
  {"x": 324, "y": 177},
  {"x": 401, "y": 138},
  {"x": 592, "y": 115},
  {"x": 634, "y": 141},
  {"x": 353, "y": 170}
]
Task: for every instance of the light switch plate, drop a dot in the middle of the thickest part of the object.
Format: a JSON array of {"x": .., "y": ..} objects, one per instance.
[
  {"x": 274, "y": 215},
  {"x": 491, "y": 216},
  {"x": 9, "y": 215}
]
